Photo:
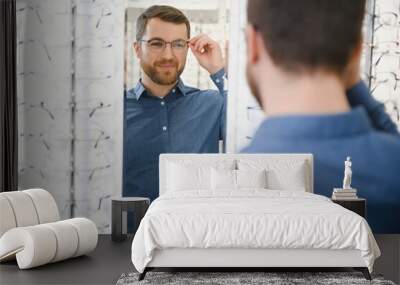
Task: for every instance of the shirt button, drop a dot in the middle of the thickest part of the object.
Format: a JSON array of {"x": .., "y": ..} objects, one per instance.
[
  {"x": 217, "y": 80},
  {"x": 164, "y": 128},
  {"x": 162, "y": 103},
  {"x": 173, "y": 90}
]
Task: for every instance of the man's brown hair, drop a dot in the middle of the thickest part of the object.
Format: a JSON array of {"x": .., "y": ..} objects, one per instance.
[
  {"x": 166, "y": 13},
  {"x": 306, "y": 35}
]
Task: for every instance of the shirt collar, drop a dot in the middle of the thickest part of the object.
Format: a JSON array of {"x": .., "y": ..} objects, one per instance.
[
  {"x": 140, "y": 89},
  {"x": 181, "y": 87},
  {"x": 344, "y": 124}
]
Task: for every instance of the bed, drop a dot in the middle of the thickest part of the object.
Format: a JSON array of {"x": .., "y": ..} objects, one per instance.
[{"x": 247, "y": 211}]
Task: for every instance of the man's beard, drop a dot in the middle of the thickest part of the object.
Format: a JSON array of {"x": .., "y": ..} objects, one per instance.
[
  {"x": 162, "y": 77},
  {"x": 253, "y": 86}
]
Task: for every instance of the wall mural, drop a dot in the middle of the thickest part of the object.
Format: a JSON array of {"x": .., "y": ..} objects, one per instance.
[{"x": 73, "y": 64}]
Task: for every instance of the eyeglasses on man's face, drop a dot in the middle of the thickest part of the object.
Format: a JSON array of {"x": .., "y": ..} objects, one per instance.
[{"x": 159, "y": 45}]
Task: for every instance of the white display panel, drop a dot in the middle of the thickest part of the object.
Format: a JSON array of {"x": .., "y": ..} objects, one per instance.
[{"x": 70, "y": 86}]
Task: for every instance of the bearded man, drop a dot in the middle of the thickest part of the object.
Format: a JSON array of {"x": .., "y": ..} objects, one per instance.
[{"x": 162, "y": 114}]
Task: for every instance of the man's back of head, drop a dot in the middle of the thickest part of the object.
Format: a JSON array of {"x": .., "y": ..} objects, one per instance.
[
  {"x": 300, "y": 42},
  {"x": 307, "y": 35}
]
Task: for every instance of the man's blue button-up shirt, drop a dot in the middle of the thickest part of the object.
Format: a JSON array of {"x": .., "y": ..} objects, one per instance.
[
  {"x": 187, "y": 120},
  {"x": 366, "y": 134}
]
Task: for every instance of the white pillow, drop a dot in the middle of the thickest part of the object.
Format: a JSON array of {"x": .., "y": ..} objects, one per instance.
[
  {"x": 188, "y": 177},
  {"x": 282, "y": 174},
  {"x": 226, "y": 179},
  {"x": 251, "y": 178},
  {"x": 185, "y": 174},
  {"x": 223, "y": 179},
  {"x": 292, "y": 179}
]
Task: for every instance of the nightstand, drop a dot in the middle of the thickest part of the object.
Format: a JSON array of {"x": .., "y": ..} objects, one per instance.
[
  {"x": 119, "y": 220},
  {"x": 358, "y": 206}
]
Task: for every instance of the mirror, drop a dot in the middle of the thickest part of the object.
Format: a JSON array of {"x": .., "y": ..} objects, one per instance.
[{"x": 175, "y": 86}]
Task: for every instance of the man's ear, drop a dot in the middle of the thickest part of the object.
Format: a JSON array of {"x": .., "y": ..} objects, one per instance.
[
  {"x": 351, "y": 75},
  {"x": 357, "y": 52},
  {"x": 138, "y": 50},
  {"x": 253, "y": 45}
]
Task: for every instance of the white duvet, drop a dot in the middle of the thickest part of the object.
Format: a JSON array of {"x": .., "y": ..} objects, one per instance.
[{"x": 250, "y": 219}]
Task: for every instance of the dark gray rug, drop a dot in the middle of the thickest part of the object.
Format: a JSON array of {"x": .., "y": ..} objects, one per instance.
[{"x": 269, "y": 278}]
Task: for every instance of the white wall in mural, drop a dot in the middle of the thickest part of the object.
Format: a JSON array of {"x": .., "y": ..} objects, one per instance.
[
  {"x": 44, "y": 91},
  {"x": 243, "y": 113},
  {"x": 70, "y": 94},
  {"x": 385, "y": 69}
]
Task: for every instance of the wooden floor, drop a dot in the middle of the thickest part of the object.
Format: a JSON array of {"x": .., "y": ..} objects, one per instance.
[
  {"x": 111, "y": 259},
  {"x": 389, "y": 262}
]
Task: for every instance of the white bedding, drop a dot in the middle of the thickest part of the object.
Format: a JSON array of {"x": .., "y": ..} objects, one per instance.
[{"x": 250, "y": 218}]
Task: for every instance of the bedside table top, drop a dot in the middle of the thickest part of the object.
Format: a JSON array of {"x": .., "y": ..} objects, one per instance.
[
  {"x": 130, "y": 199},
  {"x": 350, "y": 200}
]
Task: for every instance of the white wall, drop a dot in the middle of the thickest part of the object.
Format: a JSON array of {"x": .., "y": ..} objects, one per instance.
[
  {"x": 243, "y": 112},
  {"x": 385, "y": 75},
  {"x": 51, "y": 150},
  {"x": 44, "y": 90}
]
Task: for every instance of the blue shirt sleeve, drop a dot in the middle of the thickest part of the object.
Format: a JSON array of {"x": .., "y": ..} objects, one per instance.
[
  {"x": 359, "y": 95},
  {"x": 222, "y": 132},
  {"x": 219, "y": 80}
]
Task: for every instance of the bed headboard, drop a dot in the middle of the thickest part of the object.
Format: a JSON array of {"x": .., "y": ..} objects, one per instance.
[{"x": 165, "y": 158}]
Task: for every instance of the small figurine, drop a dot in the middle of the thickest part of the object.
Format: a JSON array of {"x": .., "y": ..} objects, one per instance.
[{"x": 347, "y": 174}]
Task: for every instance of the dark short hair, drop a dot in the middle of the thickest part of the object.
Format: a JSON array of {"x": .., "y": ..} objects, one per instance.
[
  {"x": 166, "y": 13},
  {"x": 306, "y": 35}
]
